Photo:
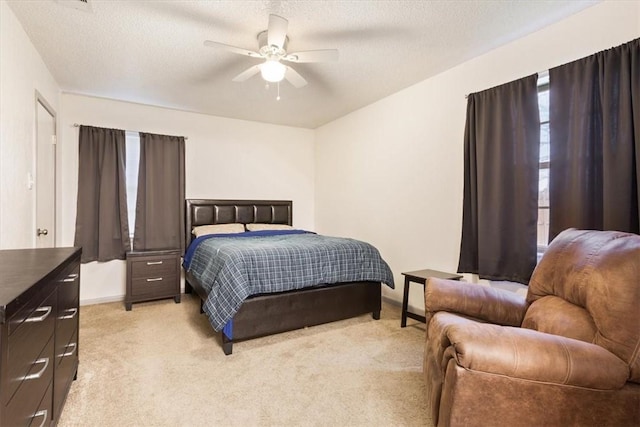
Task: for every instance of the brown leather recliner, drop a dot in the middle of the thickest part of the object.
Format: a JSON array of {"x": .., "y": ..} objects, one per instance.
[{"x": 567, "y": 355}]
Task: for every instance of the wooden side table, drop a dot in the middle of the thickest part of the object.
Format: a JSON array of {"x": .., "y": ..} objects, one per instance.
[
  {"x": 421, "y": 277},
  {"x": 152, "y": 275}
]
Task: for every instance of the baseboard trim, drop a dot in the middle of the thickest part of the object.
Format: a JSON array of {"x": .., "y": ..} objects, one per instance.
[
  {"x": 391, "y": 301},
  {"x": 102, "y": 300}
]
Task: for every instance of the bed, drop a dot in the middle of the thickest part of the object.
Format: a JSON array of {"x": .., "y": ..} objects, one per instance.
[{"x": 269, "y": 313}]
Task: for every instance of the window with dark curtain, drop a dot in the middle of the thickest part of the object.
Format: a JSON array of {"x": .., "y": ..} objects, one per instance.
[
  {"x": 500, "y": 206},
  {"x": 160, "y": 202},
  {"x": 101, "y": 217},
  {"x": 594, "y": 174}
]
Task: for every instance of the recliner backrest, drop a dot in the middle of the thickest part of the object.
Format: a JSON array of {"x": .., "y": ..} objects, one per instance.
[{"x": 587, "y": 287}]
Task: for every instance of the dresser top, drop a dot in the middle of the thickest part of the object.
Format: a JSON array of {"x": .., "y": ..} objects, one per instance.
[{"x": 22, "y": 270}]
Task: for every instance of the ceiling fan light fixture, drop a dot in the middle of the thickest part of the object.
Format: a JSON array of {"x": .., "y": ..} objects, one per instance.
[
  {"x": 273, "y": 71},
  {"x": 272, "y": 44}
]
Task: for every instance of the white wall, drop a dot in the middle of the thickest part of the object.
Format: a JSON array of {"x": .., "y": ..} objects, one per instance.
[
  {"x": 225, "y": 159},
  {"x": 395, "y": 167},
  {"x": 22, "y": 72}
]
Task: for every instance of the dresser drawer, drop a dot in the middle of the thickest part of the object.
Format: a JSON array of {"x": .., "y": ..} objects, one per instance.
[
  {"x": 43, "y": 414},
  {"x": 68, "y": 306},
  {"x": 153, "y": 266},
  {"x": 31, "y": 396},
  {"x": 65, "y": 330},
  {"x": 67, "y": 366},
  {"x": 67, "y": 350},
  {"x": 64, "y": 336},
  {"x": 26, "y": 343}
]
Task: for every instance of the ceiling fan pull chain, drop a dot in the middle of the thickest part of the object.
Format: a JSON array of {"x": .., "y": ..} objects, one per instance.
[{"x": 278, "y": 97}]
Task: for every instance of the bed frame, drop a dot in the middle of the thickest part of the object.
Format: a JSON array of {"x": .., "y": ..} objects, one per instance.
[{"x": 268, "y": 314}]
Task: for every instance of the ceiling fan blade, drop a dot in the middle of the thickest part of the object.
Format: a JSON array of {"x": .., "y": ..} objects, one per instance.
[
  {"x": 294, "y": 78},
  {"x": 277, "y": 31},
  {"x": 246, "y": 74},
  {"x": 323, "y": 55},
  {"x": 233, "y": 49}
]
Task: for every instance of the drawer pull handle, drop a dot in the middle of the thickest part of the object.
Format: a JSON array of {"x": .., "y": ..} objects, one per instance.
[
  {"x": 73, "y": 312},
  {"x": 42, "y": 414},
  {"x": 73, "y": 350},
  {"x": 71, "y": 278},
  {"x": 156, "y": 279},
  {"x": 38, "y": 374},
  {"x": 47, "y": 311},
  {"x": 154, "y": 262}
]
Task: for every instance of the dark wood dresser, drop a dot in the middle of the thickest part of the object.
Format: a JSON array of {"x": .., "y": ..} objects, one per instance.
[
  {"x": 152, "y": 275},
  {"x": 39, "y": 302}
]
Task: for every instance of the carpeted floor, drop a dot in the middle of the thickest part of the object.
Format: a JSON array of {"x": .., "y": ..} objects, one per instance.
[{"x": 162, "y": 365}]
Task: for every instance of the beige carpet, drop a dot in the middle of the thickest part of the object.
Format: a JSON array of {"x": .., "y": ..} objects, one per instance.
[{"x": 162, "y": 365}]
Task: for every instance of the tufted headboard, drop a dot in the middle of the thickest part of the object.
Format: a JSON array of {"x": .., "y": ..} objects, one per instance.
[{"x": 206, "y": 211}]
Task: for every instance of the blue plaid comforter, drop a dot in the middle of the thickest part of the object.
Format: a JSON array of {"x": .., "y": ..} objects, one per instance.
[{"x": 233, "y": 267}]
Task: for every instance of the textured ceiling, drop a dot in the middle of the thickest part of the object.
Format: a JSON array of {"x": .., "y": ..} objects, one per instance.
[{"x": 152, "y": 52}]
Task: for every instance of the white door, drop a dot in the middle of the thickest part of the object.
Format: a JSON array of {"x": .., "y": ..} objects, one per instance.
[{"x": 45, "y": 179}]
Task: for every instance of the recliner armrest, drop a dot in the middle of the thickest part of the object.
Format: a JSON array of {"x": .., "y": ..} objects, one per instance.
[
  {"x": 489, "y": 304},
  {"x": 531, "y": 355}
]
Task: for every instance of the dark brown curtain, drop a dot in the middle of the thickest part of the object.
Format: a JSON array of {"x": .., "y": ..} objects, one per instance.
[
  {"x": 594, "y": 121},
  {"x": 160, "y": 204},
  {"x": 501, "y": 160},
  {"x": 101, "y": 217}
]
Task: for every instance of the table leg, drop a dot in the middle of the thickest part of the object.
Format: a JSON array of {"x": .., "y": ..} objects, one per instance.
[{"x": 405, "y": 302}]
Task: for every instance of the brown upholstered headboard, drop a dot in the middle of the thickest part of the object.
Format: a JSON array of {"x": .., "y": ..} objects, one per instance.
[{"x": 205, "y": 212}]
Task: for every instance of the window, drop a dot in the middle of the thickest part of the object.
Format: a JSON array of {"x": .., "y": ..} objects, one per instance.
[
  {"x": 131, "y": 172},
  {"x": 543, "y": 180}
]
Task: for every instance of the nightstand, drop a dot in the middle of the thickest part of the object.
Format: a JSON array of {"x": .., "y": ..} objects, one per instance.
[{"x": 152, "y": 275}]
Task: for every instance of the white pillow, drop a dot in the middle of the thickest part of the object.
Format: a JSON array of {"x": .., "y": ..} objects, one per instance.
[
  {"x": 260, "y": 227},
  {"x": 203, "y": 230}
]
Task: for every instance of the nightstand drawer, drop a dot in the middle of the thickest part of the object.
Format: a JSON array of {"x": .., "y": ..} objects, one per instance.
[
  {"x": 154, "y": 286},
  {"x": 153, "y": 266}
]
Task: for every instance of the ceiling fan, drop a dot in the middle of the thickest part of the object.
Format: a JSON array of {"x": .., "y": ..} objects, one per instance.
[{"x": 272, "y": 47}]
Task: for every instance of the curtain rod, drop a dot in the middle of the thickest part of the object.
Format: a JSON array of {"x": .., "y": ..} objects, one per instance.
[
  {"x": 541, "y": 74},
  {"x": 76, "y": 125}
]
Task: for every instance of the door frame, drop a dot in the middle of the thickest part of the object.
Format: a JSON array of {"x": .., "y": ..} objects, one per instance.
[{"x": 40, "y": 99}]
